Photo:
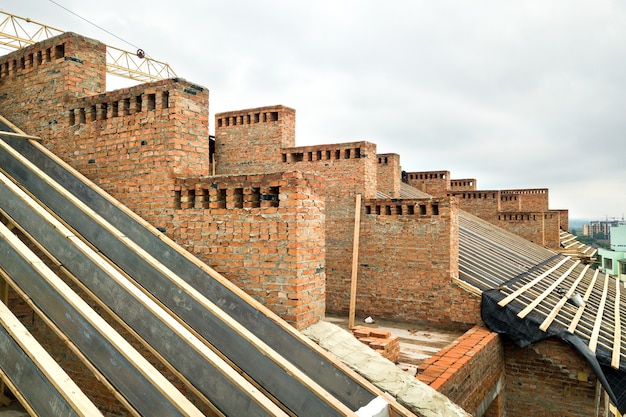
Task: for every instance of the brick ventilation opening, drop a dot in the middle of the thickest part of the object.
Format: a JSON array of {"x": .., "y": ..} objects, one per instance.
[
  {"x": 37, "y": 58},
  {"x": 321, "y": 155},
  {"x": 123, "y": 107},
  {"x": 399, "y": 209},
  {"x": 211, "y": 196},
  {"x": 247, "y": 119}
]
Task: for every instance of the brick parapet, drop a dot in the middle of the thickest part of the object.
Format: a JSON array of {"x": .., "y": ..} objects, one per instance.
[
  {"x": 251, "y": 140},
  {"x": 349, "y": 168},
  {"x": 145, "y": 136},
  {"x": 436, "y": 183},
  {"x": 481, "y": 203},
  {"x": 541, "y": 227},
  {"x": 470, "y": 371},
  {"x": 563, "y": 218},
  {"x": 529, "y": 199},
  {"x": 264, "y": 232},
  {"x": 465, "y": 184},
  {"x": 36, "y": 82},
  {"x": 389, "y": 174},
  {"x": 408, "y": 259}
]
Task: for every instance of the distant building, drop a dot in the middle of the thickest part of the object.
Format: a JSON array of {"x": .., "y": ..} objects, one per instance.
[
  {"x": 601, "y": 229},
  {"x": 613, "y": 261}
]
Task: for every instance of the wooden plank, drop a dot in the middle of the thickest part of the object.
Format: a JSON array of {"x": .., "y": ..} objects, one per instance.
[
  {"x": 4, "y": 299},
  {"x": 85, "y": 330},
  {"x": 593, "y": 341},
  {"x": 524, "y": 288},
  {"x": 617, "y": 340},
  {"x": 530, "y": 307},
  {"x": 581, "y": 309},
  {"x": 60, "y": 386},
  {"x": 555, "y": 311},
  {"x": 355, "y": 260},
  {"x": 20, "y": 135}
]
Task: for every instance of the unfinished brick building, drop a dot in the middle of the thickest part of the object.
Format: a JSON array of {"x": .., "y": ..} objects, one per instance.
[
  {"x": 278, "y": 221},
  {"x": 524, "y": 212}
]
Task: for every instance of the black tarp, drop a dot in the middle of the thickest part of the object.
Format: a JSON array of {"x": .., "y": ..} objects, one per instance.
[{"x": 526, "y": 331}]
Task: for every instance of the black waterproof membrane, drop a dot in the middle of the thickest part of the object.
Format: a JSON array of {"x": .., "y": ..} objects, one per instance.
[{"x": 524, "y": 332}]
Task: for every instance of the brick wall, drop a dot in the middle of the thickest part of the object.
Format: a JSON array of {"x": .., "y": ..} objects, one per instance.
[
  {"x": 465, "y": 305},
  {"x": 133, "y": 142},
  {"x": 466, "y": 184},
  {"x": 481, "y": 203},
  {"x": 470, "y": 372},
  {"x": 408, "y": 258},
  {"x": 347, "y": 169},
  {"x": 548, "y": 379},
  {"x": 552, "y": 227},
  {"x": 530, "y": 226},
  {"x": 435, "y": 183},
  {"x": 251, "y": 141},
  {"x": 389, "y": 174},
  {"x": 563, "y": 218},
  {"x": 37, "y": 82},
  {"x": 264, "y": 232},
  {"x": 541, "y": 228},
  {"x": 532, "y": 199}
]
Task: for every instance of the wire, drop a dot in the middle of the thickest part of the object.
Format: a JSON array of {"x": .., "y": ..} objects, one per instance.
[{"x": 91, "y": 23}]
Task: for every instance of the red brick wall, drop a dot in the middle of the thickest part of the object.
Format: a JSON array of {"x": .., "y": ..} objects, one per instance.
[
  {"x": 534, "y": 199},
  {"x": 470, "y": 372},
  {"x": 250, "y": 141},
  {"x": 548, "y": 379},
  {"x": 528, "y": 225},
  {"x": 407, "y": 260},
  {"x": 389, "y": 174},
  {"x": 133, "y": 142},
  {"x": 552, "y": 228},
  {"x": 541, "y": 228},
  {"x": 563, "y": 218},
  {"x": 264, "y": 232},
  {"x": 347, "y": 169},
  {"x": 466, "y": 184},
  {"x": 435, "y": 183},
  {"x": 481, "y": 203},
  {"x": 37, "y": 82},
  {"x": 465, "y": 306}
]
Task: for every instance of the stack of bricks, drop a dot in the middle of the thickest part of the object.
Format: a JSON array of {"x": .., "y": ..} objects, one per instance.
[{"x": 380, "y": 340}]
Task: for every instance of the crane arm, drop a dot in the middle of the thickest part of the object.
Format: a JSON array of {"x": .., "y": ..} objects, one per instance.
[{"x": 18, "y": 32}]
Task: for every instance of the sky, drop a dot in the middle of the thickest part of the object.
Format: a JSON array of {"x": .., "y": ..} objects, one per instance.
[{"x": 515, "y": 94}]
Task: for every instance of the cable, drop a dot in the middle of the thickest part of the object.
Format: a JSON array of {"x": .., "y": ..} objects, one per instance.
[{"x": 91, "y": 23}]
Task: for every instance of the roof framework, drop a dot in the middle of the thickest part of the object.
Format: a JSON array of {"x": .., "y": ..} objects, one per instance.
[{"x": 532, "y": 293}]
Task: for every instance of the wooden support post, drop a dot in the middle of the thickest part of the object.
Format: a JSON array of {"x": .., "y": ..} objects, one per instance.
[{"x": 355, "y": 260}]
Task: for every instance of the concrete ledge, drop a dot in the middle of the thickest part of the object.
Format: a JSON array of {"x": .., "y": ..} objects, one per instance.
[{"x": 384, "y": 374}]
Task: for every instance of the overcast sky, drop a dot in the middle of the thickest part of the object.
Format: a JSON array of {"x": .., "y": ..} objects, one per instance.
[{"x": 516, "y": 94}]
